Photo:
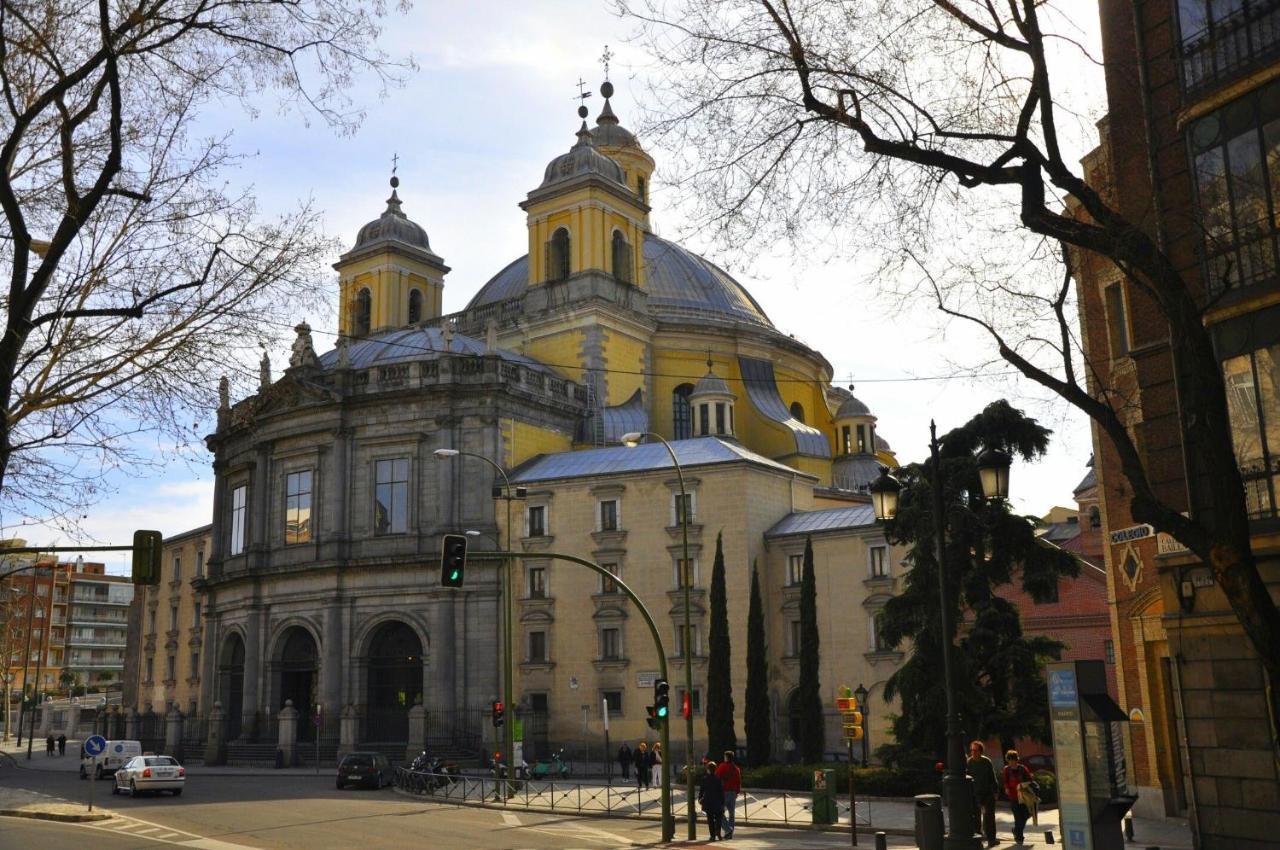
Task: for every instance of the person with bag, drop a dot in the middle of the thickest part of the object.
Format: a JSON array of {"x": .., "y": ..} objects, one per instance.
[
  {"x": 730, "y": 776},
  {"x": 985, "y": 788},
  {"x": 1014, "y": 778},
  {"x": 711, "y": 798}
]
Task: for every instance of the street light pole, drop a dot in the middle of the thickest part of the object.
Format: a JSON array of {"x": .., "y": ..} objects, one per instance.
[{"x": 631, "y": 441}]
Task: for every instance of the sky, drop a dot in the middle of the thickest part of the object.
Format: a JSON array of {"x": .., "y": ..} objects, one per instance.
[{"x": 491, "y": 102}]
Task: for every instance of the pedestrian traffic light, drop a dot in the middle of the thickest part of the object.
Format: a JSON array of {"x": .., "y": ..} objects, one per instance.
[
  {"x": 652, "y": 719},
  {"x": 686, "y": 710},
  {"x": 453, "y": 560},
  {"x": 499, "y": 713},
  {"x": 661, "y": 699},
  {"x": 147, "y": 547}
]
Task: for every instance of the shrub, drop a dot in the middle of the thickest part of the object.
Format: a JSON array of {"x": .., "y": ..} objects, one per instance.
[
  {"x": 1048, "y": 787},
  {"x": 867, "y": 781}
]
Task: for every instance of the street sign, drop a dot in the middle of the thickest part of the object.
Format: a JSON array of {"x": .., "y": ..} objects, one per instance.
[
  {"x": 1128, "y": 535},
  {"x": 95, "y": 745}
]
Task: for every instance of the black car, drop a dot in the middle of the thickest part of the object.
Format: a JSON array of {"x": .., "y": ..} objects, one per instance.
[{"x": 370, "y": 769}]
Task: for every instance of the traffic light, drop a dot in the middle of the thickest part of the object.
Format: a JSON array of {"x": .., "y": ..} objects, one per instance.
[
  {"x": 652, "y": 719},
  {"x": 453, "y": 560},
  {"x": 850, "y": 716},
  {"x": 499, "y": 713},
  {"x": 686, "y": 710},
  {"x": 147, "y": 547},
  {"x": 661, "y": 699}
]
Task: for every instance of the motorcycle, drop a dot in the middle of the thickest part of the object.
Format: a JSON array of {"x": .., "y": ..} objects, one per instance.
[
  {"x": 555, "y": 767},
  {"x": 500, "y": 769}
]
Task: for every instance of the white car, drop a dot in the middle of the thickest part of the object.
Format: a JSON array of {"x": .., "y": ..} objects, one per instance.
[{"x": 142, "y": 774}]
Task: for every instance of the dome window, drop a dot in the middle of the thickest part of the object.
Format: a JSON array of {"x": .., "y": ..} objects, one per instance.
[
  {"x": 681, "y": 413},
  {"x": 846, "y": 440},
  {"x": 415, "y": 307},
  {"x": 704, "y": 420},
  {"x": 863, "y": 446},
  {"x": 797, "y": 412},
  {"x": 640, "y": 189},
  {"x": 364, "y": 313},
  {"x": 558, "y": 255},
  {"x": 720, "y": 421},
  {"x": 621, "y": 258}
]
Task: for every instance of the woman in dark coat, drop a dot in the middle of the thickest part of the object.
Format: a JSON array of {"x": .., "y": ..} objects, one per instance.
[
  {"x": 641, "y": 759},
  {"x": 711, "y": 798}
]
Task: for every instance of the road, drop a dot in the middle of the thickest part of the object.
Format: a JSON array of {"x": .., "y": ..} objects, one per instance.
[{"x": 308, "y": 813}]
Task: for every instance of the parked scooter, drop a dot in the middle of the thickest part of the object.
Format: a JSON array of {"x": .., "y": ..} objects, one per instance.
[
  {"x": 500, "y": 769},
  {"x": 554, "y": 767}
]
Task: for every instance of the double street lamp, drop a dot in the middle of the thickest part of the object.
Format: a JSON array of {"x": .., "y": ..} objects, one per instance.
[{"x": 993, "y": 472}]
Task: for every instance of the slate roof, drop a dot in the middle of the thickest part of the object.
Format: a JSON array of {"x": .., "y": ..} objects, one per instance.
[
  {"x": 831, "y": 519},
  {"x": 416, "y": 343},
  {"x": 697, "y": 452}
]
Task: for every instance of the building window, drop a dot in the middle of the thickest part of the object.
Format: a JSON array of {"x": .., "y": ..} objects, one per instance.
[
  {"x": 1236, "y": 157},
  {"x": 609, "y": 515},
  {"x": 195, "y": 615},
  {"x": 795, "y": 570},
  {"x": 695, "y": 640},
  {"x": 537, "y": 521},
  {"x": 640, "y": 189},
  {"x": 878, "y": 641},
  {"x": 613, "y": 702},
  {"x": 797, "y": 411},
  {"x": 199, "y": 563},
  {"x": 151, "y": 621},
  {"x": 681, "y": 414},
  {"x": 793, "y": 639},
  {"x": 610, "y": 644},
  {"x": 297, "y": 507},
  {"x": 680, "y": 506},
  {"x": 846, "y": 440},
  {"x": 177, "y": 567},
  {"x": 173, "y": 618},
  {"x": 695, "y": 701},
  {"x": 1221, "y": 38},
  {"x": 720, "y": 421},
  {"x": 1253, "y": 403},
  {"x": 391, "y": 496},
  {"x": 879, "y": 561},
  {"x": 239, "y": 514},
  {"x": 537, "y": 582},
  {"x": 363, "y": 313},
  {"x": 1109, "y": 650},
  {"x": 558, "y": 255},
  {"x": 608, "y": 585},
  {"x": 1095, "y": 517},
  {"x": 863, "y": 446},
  {"x": 621, "y": 258},
  {"x": 415, "y": 306},
  {"x": 195, "y": 665},
  {"x": 1117, "y": 320},
  {"x": 538, "y": 647},
  {"x": 150, "y": 669},
  {"x": 683, "y": 576},
  {"x": 538, "y": 703},
  {"x": 704, "y": 420},
  {"x": 171, "y": 668}
]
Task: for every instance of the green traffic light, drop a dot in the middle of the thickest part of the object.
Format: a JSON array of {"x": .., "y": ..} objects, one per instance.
[
  {"x": 453, "y": 576},
  {"x": 662, "y": 711}
]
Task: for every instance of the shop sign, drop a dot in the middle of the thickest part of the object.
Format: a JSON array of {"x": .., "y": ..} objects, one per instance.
[{"x": 1133, "y": 532}]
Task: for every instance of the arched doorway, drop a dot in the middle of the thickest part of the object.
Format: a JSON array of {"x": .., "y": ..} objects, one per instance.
[
  {"x": 395, "y": 682},
  {"x": 298, "y": 667},
  {"x": 231, "y": 684}
]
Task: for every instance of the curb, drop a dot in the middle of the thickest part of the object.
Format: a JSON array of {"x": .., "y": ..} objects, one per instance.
[{"x": 53, "y": 816}]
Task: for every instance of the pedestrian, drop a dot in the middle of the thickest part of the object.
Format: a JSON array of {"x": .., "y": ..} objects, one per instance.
[
  {"x": 655, "y": 764},
  {"x": 730, "y": 776},
  {"x": 641, "y": 760},
  {"x": 62, "y": 745},
  {"x": 1015, "y": 775},
  {"x": 985, "y": 788},
  {"x": 624, "y": 760},
  {"x": 711, "y": 799},
  {"x": 48, "y": 746}
]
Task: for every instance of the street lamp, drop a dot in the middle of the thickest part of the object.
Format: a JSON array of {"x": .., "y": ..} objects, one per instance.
[
  {"x": 993, "y": 472},
  {"x": 860, "y": 693},
  {"x": 631, "y": 440},
  {"x": 506, "y": 493}
]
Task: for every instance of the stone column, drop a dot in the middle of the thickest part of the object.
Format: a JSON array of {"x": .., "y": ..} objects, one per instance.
[
  {"x": 72, "y": 727},
  {"x": 349, "y": 726},
  {"x": 288, "y": 736},
  {"x": 417, "y": 731},
  {"x": 173, "y": 732},
  {"x": 46, "y": 720},
  {"x": 131, "y": 724},
  {"x": 331, "y": 669},
  {"x": 250, "y": 704},
  {"x": 215, "y": 751}
]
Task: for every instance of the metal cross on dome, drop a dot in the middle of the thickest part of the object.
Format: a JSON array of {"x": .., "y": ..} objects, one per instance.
[
  {"x": 395, "y": 162},
  {"x": 604, "y": 60},
  {"x": 582, "y": 94}
]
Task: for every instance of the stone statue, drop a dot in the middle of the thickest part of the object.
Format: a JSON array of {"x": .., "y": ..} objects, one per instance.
[
  {"x": 224, "y": 393},
  {"x": 304, "y": 353},
  {"x": 491, "y": 337},
  {"x": 344, "y": 352},
  {"x": 446, "y": 331},
  {"x": 264, "y": 371}
]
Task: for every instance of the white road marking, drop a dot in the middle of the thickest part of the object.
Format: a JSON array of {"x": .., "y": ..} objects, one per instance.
[
  {"x": 583, "y": 832},
  {"x": 510, "y": 819}
]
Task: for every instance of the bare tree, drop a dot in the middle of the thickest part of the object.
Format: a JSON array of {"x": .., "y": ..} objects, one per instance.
[
  {"x": 920, "y": 124},
  {"x": 137, "y": 273}
]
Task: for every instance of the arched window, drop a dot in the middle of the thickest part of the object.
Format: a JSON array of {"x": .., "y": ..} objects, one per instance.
[
  {"x": 797, "y": 411},
  {"x": 681, "y": 414},
  {"x": 621, "y": 258},
  {"x": 415, "y": 306},
  {"x": 364, "y": 312},
  {"x": 1095, "y": 517},
  {"x": 640, "y": 189},
  {"x": 558, "y": 255}
]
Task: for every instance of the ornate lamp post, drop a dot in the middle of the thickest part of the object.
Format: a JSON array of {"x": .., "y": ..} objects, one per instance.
[
  {"x": 507, "y": 493},
  {"x": 861, "y": 694},
  {"x": 632, "y": 440},
  {"x": 993, "y": 471}
]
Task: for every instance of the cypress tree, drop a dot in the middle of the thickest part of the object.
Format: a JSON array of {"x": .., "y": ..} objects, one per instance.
[
  {"x": 720, "y": 733},
  {"x": 813, "y": 733},
  {"x": 757, "y": 720}
]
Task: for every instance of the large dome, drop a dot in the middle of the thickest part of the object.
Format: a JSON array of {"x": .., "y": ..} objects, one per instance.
[
  {"x": 392, "y": 226},
  {"x": 681, "y": 287},
  {"x": 582, "y": 159}
]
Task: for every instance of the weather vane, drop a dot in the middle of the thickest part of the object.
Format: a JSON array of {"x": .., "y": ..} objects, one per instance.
[
  {"x": 604, "y": 60},
  {"x": 582, "y": 94}
]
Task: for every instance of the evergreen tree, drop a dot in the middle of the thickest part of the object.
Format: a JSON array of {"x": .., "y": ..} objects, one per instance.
[
  {"x": 720, "y": 732},
  {"x": 813, "y": 733},
  {"x": 999, "y": 689},
  {"x": 757, "y": 718}
]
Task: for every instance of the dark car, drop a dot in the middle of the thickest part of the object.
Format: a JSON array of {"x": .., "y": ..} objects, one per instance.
[{"x": 371, "y": 769}]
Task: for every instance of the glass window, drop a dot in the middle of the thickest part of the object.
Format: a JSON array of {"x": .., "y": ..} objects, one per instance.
[
  {"x": 363, "y": 313},
  {"x": 391, "y": 496},
  {"x": 720, "y": 423},
  {"x": 879, "y": 561},
  {"x": 177, "y": 567},
  {"x": 239, "y": 514},
  {"x": 173, "y": 618},
  {"x": 682, "y": 575},
  {"x": 415, "y": 306},
  {"x": 609, "y": 515},
  {"x": 150, "y": 668},
  {"x": 151, "y": 621},
  {"x": 613, "y": 701},
  {"x": 846, "y": 441},
  {"x": 1253, "y": 402},
  {"x": 195, "y": 615},
  {"x": 682, "y": 505},
  {"x": 862, "y": 440},
  {"x": 195, "y": 665},
  {"x": 297, "y": 507},
  {"x": 537, "y": 582},
  {"x": 1223, "y": 38},
  {"x": 878, "y": 623},
  {"x": 199, "y": 563},
  {"x": 537, "y": 521},
  {"x": 621, "y": 258},
  {"x": 609, "y": 585},
  {"x": 795, "y": 570},
  {"x": 793, "y": 638},
  {"x": 1109, "y": 648},
  {"x": 681, "y": 415},
  {"x": 695, "y": 634},
  {"x": 558, "y": 255},
  {"x": 704, "y": 419},
  {"x": 537, "y": 646},
  {"x": 610, "y": 644},
  {"x": 171, "y": 668},
  {"x": 538, "y": 703},
  {"x": 797, "y": 411}
]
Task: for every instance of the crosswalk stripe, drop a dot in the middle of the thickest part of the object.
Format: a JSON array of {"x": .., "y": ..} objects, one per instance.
[{"x": 510, "y": 819}]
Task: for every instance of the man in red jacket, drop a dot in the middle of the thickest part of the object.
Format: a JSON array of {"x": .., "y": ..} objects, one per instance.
[{"x": 731, "y": 778}]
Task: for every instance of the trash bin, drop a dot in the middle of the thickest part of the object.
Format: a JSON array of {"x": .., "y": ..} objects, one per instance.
[
  {"x": 824, "y": 804},
  {"x": 929, "y": 829}
]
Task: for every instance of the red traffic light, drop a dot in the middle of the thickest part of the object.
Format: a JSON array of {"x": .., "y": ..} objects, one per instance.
[{"x": 688, "y": 706}]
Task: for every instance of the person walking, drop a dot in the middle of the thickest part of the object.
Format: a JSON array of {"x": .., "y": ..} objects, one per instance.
[
  {"x": 624, "y": 760},
  {"x": 655, "y": 764},
  {"x": 1015, "y": 774},
  {"x": 711, "y": 799},
  {"x": 62, "y": 745},
  {"x": 48, "y": 746},
  {"x": 641, "y": 760},
  {"x": 985, "y": 788},
  {"x": 730, "y": 776}
]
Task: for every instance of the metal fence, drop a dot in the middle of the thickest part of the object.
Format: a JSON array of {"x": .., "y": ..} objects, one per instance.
[{"x": 758, "y": 807}]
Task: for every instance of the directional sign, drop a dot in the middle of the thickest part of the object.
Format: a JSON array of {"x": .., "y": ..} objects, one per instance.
[{"x": 95, "y": 745}]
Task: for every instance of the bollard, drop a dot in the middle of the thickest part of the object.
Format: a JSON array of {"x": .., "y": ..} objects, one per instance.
[
  {"x": 1048, "y": 836},
  {"x": 882, "y": 841}
]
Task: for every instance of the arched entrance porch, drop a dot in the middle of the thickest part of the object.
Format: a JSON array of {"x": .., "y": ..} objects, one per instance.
[
  {"x": 297, "y": 677},
  {"x": 231, "y": 684},
  {"x": 394, "y": 662}
]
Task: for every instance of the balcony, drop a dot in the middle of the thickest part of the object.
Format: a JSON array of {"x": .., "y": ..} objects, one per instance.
[
  {"x": 101, "y": 600},
  {"x": 95, "y": 665},
  {"x": 97, "y": 642},
  {"x": 89, "y": 620},
  {"x": 1231, "y": 46}
]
